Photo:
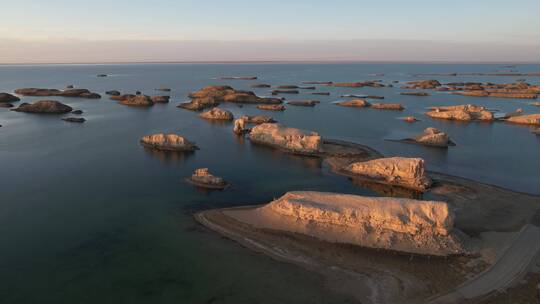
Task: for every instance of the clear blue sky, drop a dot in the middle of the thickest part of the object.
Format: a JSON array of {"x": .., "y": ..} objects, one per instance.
[{"x": 472, "y": 21}]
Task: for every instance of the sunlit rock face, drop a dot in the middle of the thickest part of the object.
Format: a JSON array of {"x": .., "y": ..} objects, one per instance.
[
  {"x": 530, "y": 119},
  {"x": 217, "y": 114},
  {"x": 399, "y": 224},
  {"x": 433, "y": 137},
  {"x": 291, "y": 139},
  {"x": 399, "y": 171},
  {"x": 466, "y": 112},
  {"x": 168, "y": 142}
]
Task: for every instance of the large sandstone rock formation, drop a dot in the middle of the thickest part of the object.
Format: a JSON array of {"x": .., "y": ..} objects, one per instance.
[
  {"x": 466, "y": 112},
  {"x": 217, "y": 114},
  {"x": 289, "y": 139},
  {"x": 530, "y": 119},
  {"x": 397, "y": 224},
  {"x": 82, "y": 93},
  {"x": 44, "y": 106},
  {"x": 400, "y": 171},
  {"x": 5, "y": 97},
  {"x": 168, "y": 142}
]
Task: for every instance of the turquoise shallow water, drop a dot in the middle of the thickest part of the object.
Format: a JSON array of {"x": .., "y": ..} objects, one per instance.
[{"x": 89, "y": 216}]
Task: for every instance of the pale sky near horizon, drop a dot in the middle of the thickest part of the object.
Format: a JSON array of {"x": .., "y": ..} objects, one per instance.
[{"x": 138, "y": 30}]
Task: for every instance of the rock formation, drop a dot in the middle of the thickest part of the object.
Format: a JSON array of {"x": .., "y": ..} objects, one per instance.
[
  {"x": 240, "y": 126},
  {"x": 271, "y": 107},
  {"x": 113, "y": 93},
  {"x": 77, "y": 112},
  {"x": 466, "y": 112},
  {"x": 357, "y": 103},
  {"x": 530, "y": 119},
  {"x": 433, "y": 137},
  {"x": 261, "y": 86},
  {"x": 289, "y": 139},
  {"x": 277, "y": 92},
  {"x": 287, "y": 87},
  {"x": 303, "y": 103},
  {"x": 5, "y": 97},
  {"x": 160, "y": 99},
  {"x": 44, "y": 106},
  {"x": 199, "y": 104},
  {"x": 258, "y": 119},
  {"x": 168, "y": 142},
  {"x": 203, "y": 178},
  {"x": 239, "y": 78},
  {"x": 217, "y": 114},
  {"x": 137, "y": 101},
  {"x": 399, "y": 171},
  {"x": 373, "y": 84},
  {"x": 423, "y": 84},
  {"x": 321, "y": 93},
  {"x": 409, "y": 119},
  {"x": 397, "y": 224},
  {"x": 387, "y": 106},
  {"x": 82, "y": 93},
  {"x": 6, "y": 105},
  {"x": 74, "y": 119},
  {"x": 421, "y": 94},
  {"x": 218, "y": 94}
]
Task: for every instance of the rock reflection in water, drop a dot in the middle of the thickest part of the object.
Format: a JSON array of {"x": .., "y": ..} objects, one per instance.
[
  {"x": 169, "y": 157},
  {"x": 386, "y": 190}
]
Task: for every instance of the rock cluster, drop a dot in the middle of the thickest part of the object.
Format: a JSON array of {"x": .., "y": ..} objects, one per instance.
[
  {"x": 82, "y": 93},
  {"x": 168, "y": 142},
  {"x": 466, "y": 112},
  {"x": 399, "y": 171},
  {"x": 45, "y": 107},
  {"x": 217, "y": 114},
  {"x": 289, "y": 139},
  {"x": 520, "y": 90},
  {"x": 212, "y": 96}
]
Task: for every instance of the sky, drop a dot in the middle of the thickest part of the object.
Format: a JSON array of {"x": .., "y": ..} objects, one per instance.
[{"x": 57, "y": 31}]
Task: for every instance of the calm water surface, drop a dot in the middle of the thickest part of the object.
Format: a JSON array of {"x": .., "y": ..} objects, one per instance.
[{"x": 89, "y": 216}]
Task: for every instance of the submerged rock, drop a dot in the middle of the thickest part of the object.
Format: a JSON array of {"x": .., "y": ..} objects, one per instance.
[
  {"x": 6, "y": 97},
  {"x": 74, "y": 119},
  {"x": 203, "y": 178},
  {"x": 82, "y": 93},
  {"x": 530, "y": 119},
  {"x": 396, "y": 224},
  {"x": 113, "y": 93},
  {"x": 45, "y": 107},
  {"x": 217, "y": 114},
  {"x": 303, "y": 103},
  {"x": 357, "y": 103},
  {"x": 101, "y": 75},
  {"x": 399, "y": 171},
  {"x": 168, "y": 142},
  {"x": 77, "y": 112},
  {"x": 433, "y": 137},
  {"x": 289, "y": 139},
  {"x": 271, "y": 107}
]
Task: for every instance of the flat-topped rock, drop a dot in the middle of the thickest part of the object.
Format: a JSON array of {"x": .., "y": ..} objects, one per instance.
[
  {"x": 82, "y": 93},
  {"x": 289, "y": 139},
  {"x": 397, "y": 224},
  {"x": 6, "y": 97},
  {"x": 258, "y": 119},
  {"x": 113, "y": 93},
  {"x": 433, "y": 137},
  {"x": 356, "y": 103},
  {"x": 320, "y": 93},
  {"x": 217, "y": 114},
  {"x": 529, "y": 119},
  {"x": 203, "y": 178},
  {"x": 168, "y": 142},
  {"x": 398, "y": 171},
  {"x": 420, "y": 94},
  {"x": 423, "y": 84},
  {"x": 373, "y": 84},
  {"x": 387, "y": 106},
  {"x": 409, "y": 119},
  {"x": 137, "y": 101},
  {"x": 287, "y": 87},
  {"x": 303, "y": 103},
  {"x": 199, "y": 104},
  {"x": 45, "y": 107},
  {"x": 277, "y": 92},
  {"x": 466, "y": 112},
  {"x": 260, "y": 86},
  {"x": 271, "y": 107},
  {"x": 228, "y": 94}
]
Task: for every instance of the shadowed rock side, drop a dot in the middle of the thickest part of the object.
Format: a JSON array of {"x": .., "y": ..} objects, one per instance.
[
  {"x": 45, "y": 107},
  {"x": 530, "y": 119},
  {"x": 203, "y": 178},
  {"x": 217, "y": 114},
  {"x": 398, "y": 171},
  {"x": 397, "y": 224},
  {"x": 82, "y": 93},
  {"x": 212, "y": 96},
  {"x": 6, "y": 97},
  {"x": 168, "y": 142},
  {"x": 467, "y": 112},
  {"x": 289, "y": 139}
]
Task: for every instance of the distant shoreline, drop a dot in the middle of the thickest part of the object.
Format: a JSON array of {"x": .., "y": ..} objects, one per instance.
[{"x": 271, "y": 62}]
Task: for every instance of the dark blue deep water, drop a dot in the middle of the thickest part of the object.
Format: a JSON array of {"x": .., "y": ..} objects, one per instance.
[{"x": 89, "y": 216}]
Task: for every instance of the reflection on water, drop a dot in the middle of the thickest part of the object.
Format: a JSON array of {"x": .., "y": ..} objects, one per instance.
[
  {"x": 386, "y": 190},
  {"x": 169, "y": 157}
]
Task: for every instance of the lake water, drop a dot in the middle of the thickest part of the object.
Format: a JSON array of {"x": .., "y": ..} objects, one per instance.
[{"x": 89, "y": 216}]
